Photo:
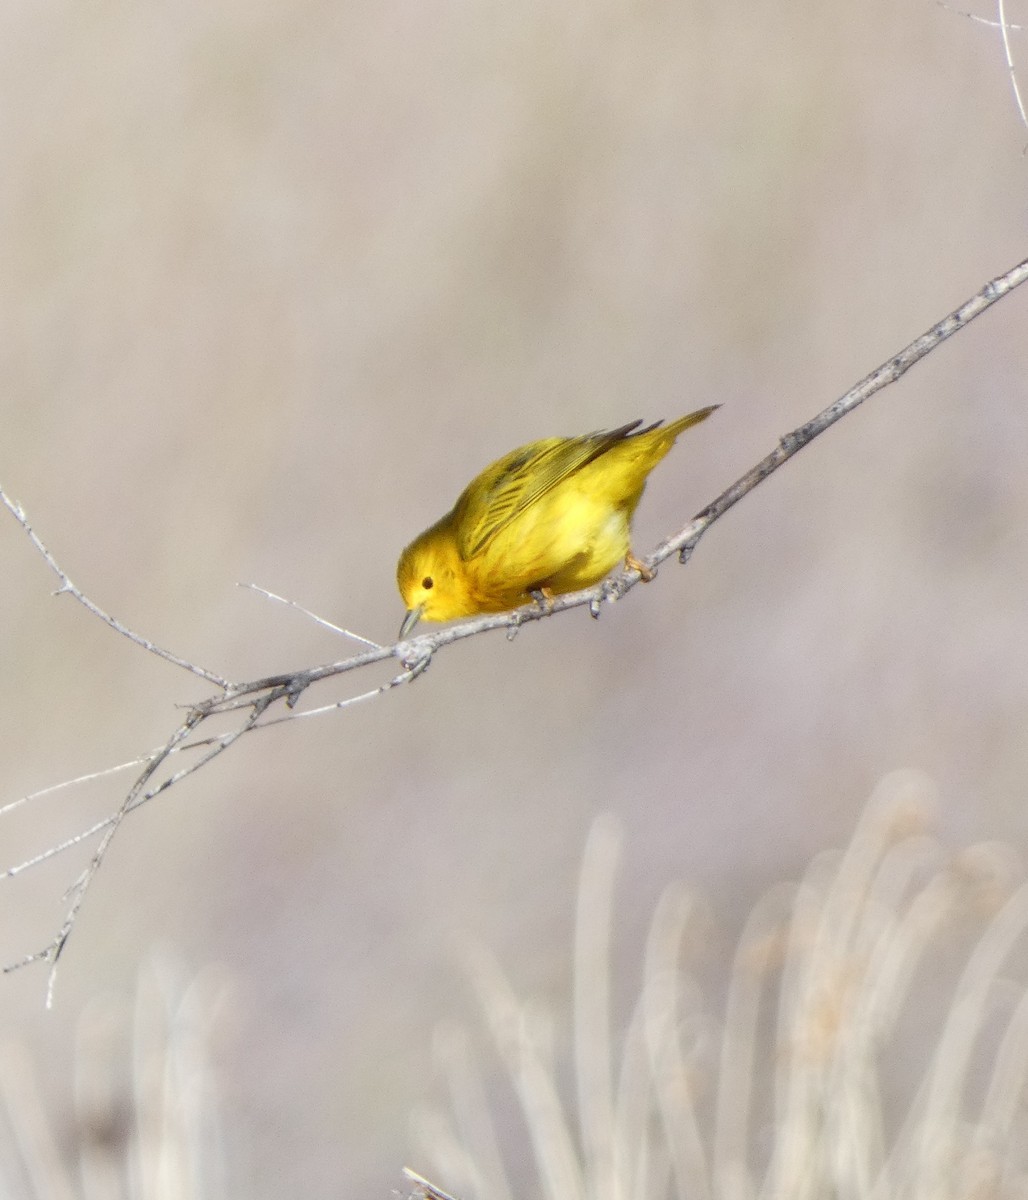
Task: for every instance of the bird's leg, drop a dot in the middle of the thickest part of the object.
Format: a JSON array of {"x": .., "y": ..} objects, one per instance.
[
  {"x": 543, "y": 596},
  {"x": 634, "y": 564}
]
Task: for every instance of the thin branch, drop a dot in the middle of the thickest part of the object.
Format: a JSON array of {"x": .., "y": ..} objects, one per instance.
[
  {"x": 977, "y": 20},
  {"x": 891, "y": 370},
  {"x": 11, "y": 805},
  {"x": 1010, "y": 61},
  {"x": 67, "y": 586},
  {"x": 256, "y": 697},
  {"x": 325, "y": 624}
]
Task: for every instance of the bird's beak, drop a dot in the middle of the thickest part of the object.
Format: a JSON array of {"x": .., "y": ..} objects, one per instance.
[{"x": 410, "y": 620}]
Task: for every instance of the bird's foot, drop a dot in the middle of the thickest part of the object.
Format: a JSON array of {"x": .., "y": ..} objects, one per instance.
[
  {"x": 543, "y": 596},
  {"x": 634, "y": 564}
]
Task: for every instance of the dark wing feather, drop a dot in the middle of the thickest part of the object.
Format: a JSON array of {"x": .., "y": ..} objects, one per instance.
[{"x": 506, "y": 489}]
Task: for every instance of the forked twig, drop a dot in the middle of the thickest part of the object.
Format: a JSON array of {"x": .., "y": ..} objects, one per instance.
[
  {"x": 256, "y": 697},
  {"x": 1006, "y": 28}
]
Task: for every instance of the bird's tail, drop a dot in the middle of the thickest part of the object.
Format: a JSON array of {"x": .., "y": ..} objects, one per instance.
[{"x": 694, "y": 418}]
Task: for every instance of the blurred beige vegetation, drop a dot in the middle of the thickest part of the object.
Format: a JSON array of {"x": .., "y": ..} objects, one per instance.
[
  {"x": 872, "y": 1040},
  {"x": 277, "y": 280}
]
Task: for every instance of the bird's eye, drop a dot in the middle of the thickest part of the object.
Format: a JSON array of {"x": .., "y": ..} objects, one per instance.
[{"x": 427, "y": 582}]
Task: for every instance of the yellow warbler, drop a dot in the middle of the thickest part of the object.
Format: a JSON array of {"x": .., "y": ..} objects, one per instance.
[{"x": 553, "y": 516}]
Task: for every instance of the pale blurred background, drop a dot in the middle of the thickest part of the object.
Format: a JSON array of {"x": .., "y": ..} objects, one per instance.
[{"x": 277, "y": 279}]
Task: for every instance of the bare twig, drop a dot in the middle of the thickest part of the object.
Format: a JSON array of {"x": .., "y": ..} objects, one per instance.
[
  {"x": 88, "y": 777},
  {"x": 325, "y": 624},
  {"x": 976, "y": 19},
  {"x": 1010, "y": 61},
  {"x": 428, "y": 1190},
  {"x": 67, "y": 586},
  {"x": 256, "y": 697}
]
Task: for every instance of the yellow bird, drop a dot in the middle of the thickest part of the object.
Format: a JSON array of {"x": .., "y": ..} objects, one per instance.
[{"x": 550, "y": 517}]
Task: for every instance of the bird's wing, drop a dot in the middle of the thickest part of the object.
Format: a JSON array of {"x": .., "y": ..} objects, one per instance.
[{"x": 513, "y": 484}]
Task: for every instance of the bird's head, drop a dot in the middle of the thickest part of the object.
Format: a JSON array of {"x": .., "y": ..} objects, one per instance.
[{"x": 431, "y": 580}]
